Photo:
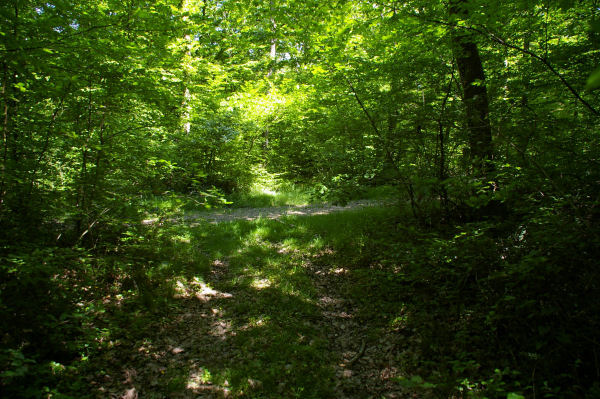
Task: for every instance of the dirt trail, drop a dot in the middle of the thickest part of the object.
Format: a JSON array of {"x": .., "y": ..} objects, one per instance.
[
  {"x": 367, "y": 355},
  {"x": 200, "y": 334},
  {"x": 274, "y": 212},
  {"x": 213, "y": 328}
]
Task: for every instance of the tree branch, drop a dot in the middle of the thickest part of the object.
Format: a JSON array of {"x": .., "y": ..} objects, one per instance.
[{"x": 362, "y": 106}]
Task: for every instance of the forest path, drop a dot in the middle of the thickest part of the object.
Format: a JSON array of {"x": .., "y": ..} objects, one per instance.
[
  {"x": 266, "y": 309},
  {"x": 273, "y": 212}
]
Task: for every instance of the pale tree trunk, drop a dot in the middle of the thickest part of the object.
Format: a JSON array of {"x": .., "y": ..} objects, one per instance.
[
  {"x": 273, "y": 57},
  {"x": 187, "y": 96},
  {"x": 187, "y": 108}
]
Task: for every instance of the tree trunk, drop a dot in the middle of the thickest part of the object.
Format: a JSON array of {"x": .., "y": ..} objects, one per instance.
[
  {"x": 3, "y": 167},
  {"x": 475, "y": 98},
  {"x": 273, "y": 58}
]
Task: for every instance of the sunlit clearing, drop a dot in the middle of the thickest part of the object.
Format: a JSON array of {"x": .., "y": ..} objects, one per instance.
[
  {"x": 201, "y": 381},
  {"x": 317, "y": 242},
  {"x": 221, "y": 329},
  {"x": 290, "y": 243},
  {"x": 265, "y": 182},
  {"x": 261, "y": 283},
  {"x": 268, "y": 191},
  {"x": 258, "y": 321}
]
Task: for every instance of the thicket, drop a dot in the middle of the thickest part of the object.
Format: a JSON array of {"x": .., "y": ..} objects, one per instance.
[{"x": 107, "y": 103}]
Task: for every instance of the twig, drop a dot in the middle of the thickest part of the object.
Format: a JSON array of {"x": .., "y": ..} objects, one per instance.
[
  {"x": 361, "y": 351},
  {"x": 92, "y": 224}
]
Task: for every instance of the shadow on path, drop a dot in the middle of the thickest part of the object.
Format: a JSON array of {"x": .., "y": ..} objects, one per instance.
[{"x": 266, "y": 317}]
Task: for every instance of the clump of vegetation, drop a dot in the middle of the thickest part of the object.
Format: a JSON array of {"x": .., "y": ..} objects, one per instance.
[{"x": 270, "y": 189}]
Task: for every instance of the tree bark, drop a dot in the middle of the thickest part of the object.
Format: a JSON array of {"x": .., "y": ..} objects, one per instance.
[
  {"x": 475, "y": 97},
  {"x": 3, "y": 170}
]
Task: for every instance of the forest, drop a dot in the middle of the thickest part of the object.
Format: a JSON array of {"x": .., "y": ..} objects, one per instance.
[{"x": 300, "y": 199}]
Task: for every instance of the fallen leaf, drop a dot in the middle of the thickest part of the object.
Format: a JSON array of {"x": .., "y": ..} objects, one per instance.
[
  {"x": 254, "y": 384},
  {"x": 130, "y": 394}
]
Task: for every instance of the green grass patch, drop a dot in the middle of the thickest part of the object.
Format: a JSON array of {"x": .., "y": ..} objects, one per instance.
[
  {"x": 282, "y": 196},
  {"x": 174, "y": 204},
  {"x": 269, "y": 189}
]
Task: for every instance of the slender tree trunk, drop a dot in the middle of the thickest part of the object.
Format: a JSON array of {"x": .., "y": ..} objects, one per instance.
[
  {"x": 186, "y": 105},
  {"x": 528, "y": 116},
  {"x": 11, "y": 192},
  {"x": 83, "y": 194},
  {"x": 81, "y": 191},
  {"x": 187, "y": 96},
  {"x": 5, "y": 133},
  {"x": 273, "y": 52},
  {"x": 99, "y": 155},
  {"x": 266, "y": 138},
  {"x": 14, "y": 151},
  {"x": 42, "y": 154},
  {"x": 273, "y": 60},
  {"x": 442, "y": 173},
  {"x": 472, "y": 79},
  {"x": 251, "y": 146},
  {"x": 393, "y": 113}
]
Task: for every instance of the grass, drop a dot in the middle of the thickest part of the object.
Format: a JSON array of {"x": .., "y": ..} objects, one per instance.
[
  {"x": 271, "y": 193},
  {"x": 282, "y": 194},
  {"x": 268, "y": 190}
]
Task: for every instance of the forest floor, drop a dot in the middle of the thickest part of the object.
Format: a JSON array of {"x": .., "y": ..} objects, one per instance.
[{"x": 268, "y": 307}]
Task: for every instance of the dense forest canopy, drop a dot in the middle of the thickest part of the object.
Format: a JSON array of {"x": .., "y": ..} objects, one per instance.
[
  {"x": 105, "y": 101},
  {"x": 481, "y": 117}
]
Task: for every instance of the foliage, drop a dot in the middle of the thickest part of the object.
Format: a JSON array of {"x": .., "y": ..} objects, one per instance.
[{"x": 118, "y": 118}]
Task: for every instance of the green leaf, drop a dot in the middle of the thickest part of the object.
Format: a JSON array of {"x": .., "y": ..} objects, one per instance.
[
  {"x": 593, "y": 81},
  {"x": 20, "y": 86},
  {"x": 513, "y": 395}
]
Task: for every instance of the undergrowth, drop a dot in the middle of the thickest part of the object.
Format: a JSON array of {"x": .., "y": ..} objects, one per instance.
[{"x": 484, "y": 309}]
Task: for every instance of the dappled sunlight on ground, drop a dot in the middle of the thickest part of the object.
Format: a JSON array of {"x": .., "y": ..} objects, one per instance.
[
  {"x": 261, "y": 283},
  {"x": 221, "y": 329},
  {"x": 198, "y": 289},
  {"x": 267, "y": 316},
  {"x": 200, "y": 383}
]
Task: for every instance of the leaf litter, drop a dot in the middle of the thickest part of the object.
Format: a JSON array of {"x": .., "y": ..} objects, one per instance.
[{"x": 206, "y": 345}]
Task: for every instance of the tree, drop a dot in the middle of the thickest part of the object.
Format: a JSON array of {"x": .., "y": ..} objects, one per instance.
[{"x": 475, "y": 95}]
